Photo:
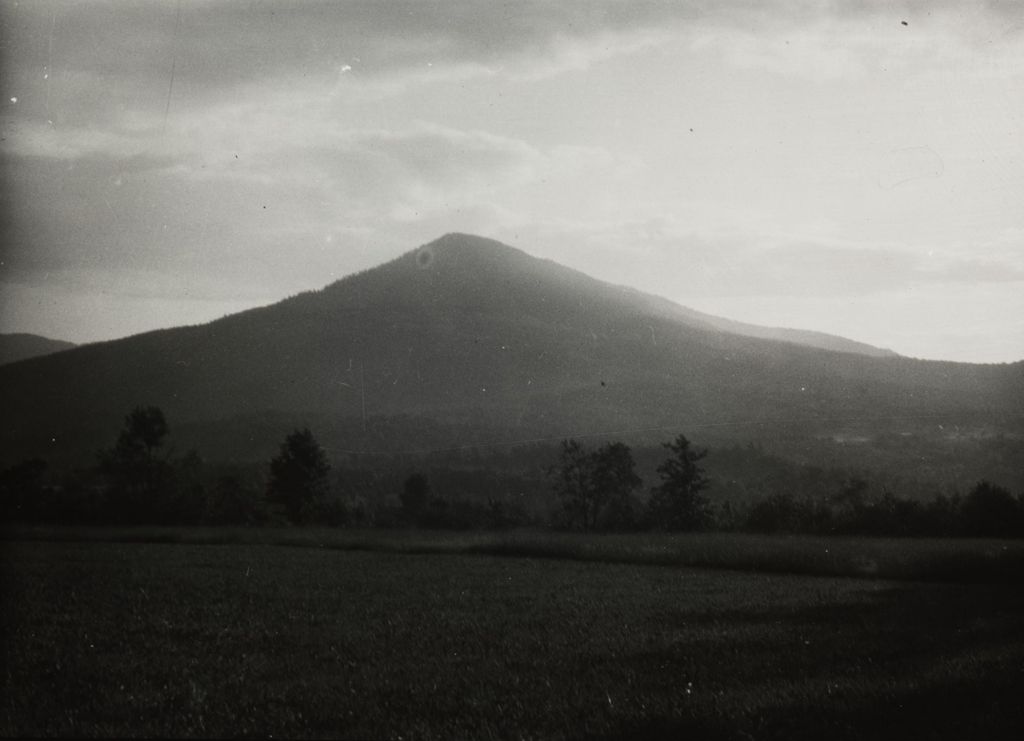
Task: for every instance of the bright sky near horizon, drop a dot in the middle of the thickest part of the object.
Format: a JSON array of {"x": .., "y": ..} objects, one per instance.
[{"x": 851, "y": 167}]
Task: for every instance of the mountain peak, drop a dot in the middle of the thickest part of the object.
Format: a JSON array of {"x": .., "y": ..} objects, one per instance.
[
  {"x": 458, "y": 247},
  {"x": 463, "y": 241},
  {"x": 453, "y": 270},
  {"x": 467, "y": 258}
]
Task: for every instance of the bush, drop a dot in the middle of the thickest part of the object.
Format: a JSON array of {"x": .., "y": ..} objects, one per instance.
[
  {"x": 231, "y": 502},
  {"x": 776, "y": 513},
  {"x": 330, "y": 511}
]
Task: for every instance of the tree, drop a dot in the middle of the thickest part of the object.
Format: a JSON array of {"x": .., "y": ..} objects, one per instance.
[
  {"x": 573, "y": 483},
  {"x": 144, "y": 431},
  {"x": 990, "y": 510},
  {"x": 298, "y": 475},
  {"x": 777, "y": 512},
  {"x": 614, "y": 480},
  {"x": 137, "y": 475},
  {"x": 677, "y": 503},
  {"x": 596, "y": 487}
]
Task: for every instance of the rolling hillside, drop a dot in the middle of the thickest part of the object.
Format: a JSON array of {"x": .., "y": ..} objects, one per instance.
[
  {"x": 15, "y": 347},
  {"x": 467, "y": 341}
]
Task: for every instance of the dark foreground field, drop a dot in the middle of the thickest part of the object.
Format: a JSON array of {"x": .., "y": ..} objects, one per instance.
[{"x": 186, "y": 639}]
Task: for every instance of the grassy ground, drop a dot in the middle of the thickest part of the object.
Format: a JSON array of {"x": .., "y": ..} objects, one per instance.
[
  {"x": 178, "y": 639},
  {"x": 929, "y": 559}
]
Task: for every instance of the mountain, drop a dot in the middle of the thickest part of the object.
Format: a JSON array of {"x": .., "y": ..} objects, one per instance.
[
  {"x": 805, "y": 337},
  {"x": 799, "y": 336},
  {"x": 14, "y": 347},
  {"x": 466, "y": 341}
]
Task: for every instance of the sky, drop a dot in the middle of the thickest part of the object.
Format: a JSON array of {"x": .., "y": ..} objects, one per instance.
[{"x": 850, "y": 167}]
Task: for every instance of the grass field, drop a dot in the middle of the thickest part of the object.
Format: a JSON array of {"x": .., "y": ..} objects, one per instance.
[
  {"x": 397, "y": 638},
  {"x": 930, "y": 559}
]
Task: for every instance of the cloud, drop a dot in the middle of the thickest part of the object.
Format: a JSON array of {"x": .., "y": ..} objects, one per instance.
[
  {"x": 805, "y": 269},
  {"x": 211, "y": 46},
  {"x": 899, "y": 166},
  {"x": 267, "y": 203},
  {"x": 670, "y": 257},
  {"x": 809, "y": 53},
  {"x": 828, "y": 42},
  {"x": 140, "y": 54},
  {"x": 27, "y": 138},
  {"x": 974, "y": 272}
]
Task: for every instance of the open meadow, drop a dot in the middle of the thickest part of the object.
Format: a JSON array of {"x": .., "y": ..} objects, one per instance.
[{"x": 291, "y": 633}]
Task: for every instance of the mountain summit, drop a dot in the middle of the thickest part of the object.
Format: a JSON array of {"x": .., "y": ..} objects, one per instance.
[
  {"x": 461, "y": 268},
  {"x": 466, "y": 340}
]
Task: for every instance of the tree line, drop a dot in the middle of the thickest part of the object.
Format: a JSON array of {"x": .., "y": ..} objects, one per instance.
[
  {"x": 598, "y": 489},
  {"x": 138, "y": 480},
  {"x": 599, "y": 492}
]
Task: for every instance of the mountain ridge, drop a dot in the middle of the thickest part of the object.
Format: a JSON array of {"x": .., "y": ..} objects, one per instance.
[
  {"x": 17, "y": 346},
  {"x": 455, "y": 245},
  {"x": 492, "y": 342}
]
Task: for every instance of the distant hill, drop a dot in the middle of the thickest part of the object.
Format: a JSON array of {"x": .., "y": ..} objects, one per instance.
[
  {"x": 797, "y": 336},
  {"x": 821, "y": 340},
  {"x": 466, "y": 341},
  {"x": 14, "y": 347}
]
